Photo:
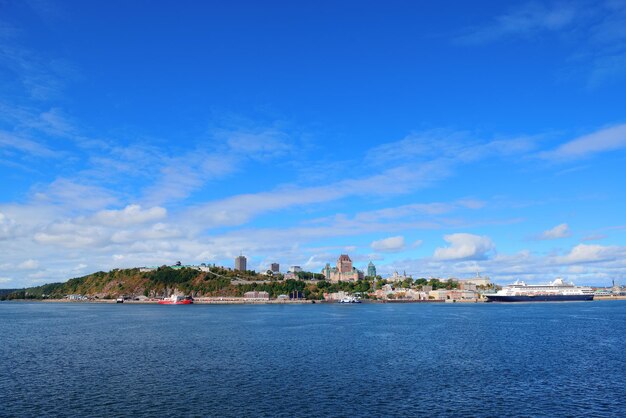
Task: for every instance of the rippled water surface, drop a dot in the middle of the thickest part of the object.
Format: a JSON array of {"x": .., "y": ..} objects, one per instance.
[{"x": 551, "y": 359}]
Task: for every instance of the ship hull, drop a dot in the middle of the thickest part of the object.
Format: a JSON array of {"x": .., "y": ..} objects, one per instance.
[{"x": 539, "y": 298}]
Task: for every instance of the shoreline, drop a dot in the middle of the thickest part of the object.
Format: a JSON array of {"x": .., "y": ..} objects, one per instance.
[
  {"x": 242, "y": 301},
  {"x": 236, "y": 301}
]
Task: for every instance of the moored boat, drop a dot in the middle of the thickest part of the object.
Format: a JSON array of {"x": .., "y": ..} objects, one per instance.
[
  {"x": 556, "y": 291},
  {"x": 177, "y": 300},
  {"x": 350, "y": 299}
]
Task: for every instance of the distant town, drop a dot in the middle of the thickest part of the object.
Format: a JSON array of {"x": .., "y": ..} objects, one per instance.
[
  {"x": 396, "y": 286},
  {"x": 209, "y": 283}
]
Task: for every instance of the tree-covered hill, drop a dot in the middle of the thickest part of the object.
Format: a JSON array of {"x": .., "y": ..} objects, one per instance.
[
  {"x": 164, "y": 281},
  {"x": 131, "y": 282},
  {"x": 4, "y": 292}
]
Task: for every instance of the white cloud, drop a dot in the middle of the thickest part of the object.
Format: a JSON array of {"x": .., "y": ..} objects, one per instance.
[
  {"x": 594, "y": 237},
  {"x": 29, "y": 264},
  {"x": 41, "y": 78},
  {"x": 66, "y": 240},
  {"x": 418, "y": 146},
  {"x": 583, "y": 253},
  {"x": 576, "y": 269},
  {"x": 5, "y": 280},
  {"x": 424, "y": 210},
  {"x": 180, "y": 176},
  {"x": 113, "y": 161},
  {"x": 130, "y": 215},
  {"x": 464, "y": 247},
  {"x": 391, "y": 244},
  {"x": 227, "y": 153},
  {"x": 262, "y": 144},
  {"x": 559, "y": 231},
  {"x": 317, "y": 261},
  {"x": 525, "y": 21},
  {"x": 591, "y": 33},
  {"x": 405, "y": 211},
  {"x": 374, "y": 257},
  {"x": 471, "y": 203},
  {"x": 604, "y": 140},
  {"x": 157, "y": 231},
  {"x": 72, "y": 195},
  {"x": 7, "y": 227},
  {"x": 72, "y": 235},
  {"x": 239, "y": 209},
  {"x": 447, "y": 146},
  {"x": 54, "y": 122},
  {"x": 25, "y": 145}
]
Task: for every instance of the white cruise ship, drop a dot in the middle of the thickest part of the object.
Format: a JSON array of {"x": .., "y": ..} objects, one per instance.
[{"x": 558, "y": 290}]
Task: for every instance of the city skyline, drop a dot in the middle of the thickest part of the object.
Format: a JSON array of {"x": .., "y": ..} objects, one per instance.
[{"x": 441, "y": 139}]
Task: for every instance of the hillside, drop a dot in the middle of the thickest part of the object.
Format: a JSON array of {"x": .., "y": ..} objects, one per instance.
[
  {"x": 4, "y": 292},
  {"x": 131, "y": 282},
  {"x": 215, "y": 281},
  {"x": 166, "y": 280}
]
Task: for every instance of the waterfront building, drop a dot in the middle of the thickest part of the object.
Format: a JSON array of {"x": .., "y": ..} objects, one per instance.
[
  {"x": 388, "y": 292},
  {"x": 463, "y": 285},
  {"x": 343, "y": 272},
  {"x": 462, "y": 295},
  {"x": 440, "y": 294},
  {"x": 406, "y": 294},
  {"x": 241, "y": 263},
  {"x": 336, "y": 296},
  {"x": 371, "y": 270},
  {"x": 256, "y": 295},
  {"x": 274, "y": 268}
]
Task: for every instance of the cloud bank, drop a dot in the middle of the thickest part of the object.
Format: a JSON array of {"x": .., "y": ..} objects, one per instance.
[
  {"x": 391, "y": 244},
  {"x": 465, "y": 247}
]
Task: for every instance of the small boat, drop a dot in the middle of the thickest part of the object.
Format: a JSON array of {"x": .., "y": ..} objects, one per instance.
[
  {"x": 177, "y": 300},
  {"x": 119, "y": 300},
  {"x": 349, "y": 299}
]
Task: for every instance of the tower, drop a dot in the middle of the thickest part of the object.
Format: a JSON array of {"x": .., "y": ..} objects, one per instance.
[
  {"x": 240, "y": 263},
  {"x": 371, "y": 270},
  {"x": 326, "y": 271},
  {"x": 344, "y": 264}
]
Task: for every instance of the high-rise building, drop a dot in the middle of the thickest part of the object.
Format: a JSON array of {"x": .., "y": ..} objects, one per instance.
[
  {"x": 275, "y": 268},
  {"x": 295, "y": 269},
  {"x": 371, "y": 270},
  {"x": 240, "y": 263}
]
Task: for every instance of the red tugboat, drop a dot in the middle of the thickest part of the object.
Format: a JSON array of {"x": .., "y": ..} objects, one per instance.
[{"x": 177, "y": 300}]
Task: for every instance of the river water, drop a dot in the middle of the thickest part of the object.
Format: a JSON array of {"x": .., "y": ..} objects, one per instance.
[{"x": 544, "y": 359}]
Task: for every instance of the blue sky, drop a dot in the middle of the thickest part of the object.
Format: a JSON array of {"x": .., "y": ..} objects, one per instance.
[{"x": 441, "y": 139}]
